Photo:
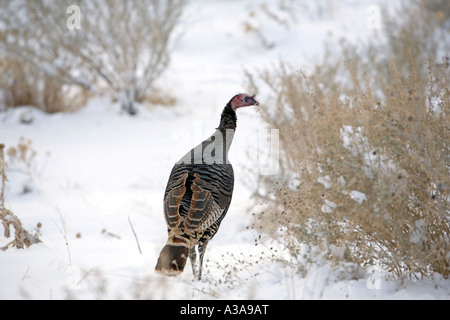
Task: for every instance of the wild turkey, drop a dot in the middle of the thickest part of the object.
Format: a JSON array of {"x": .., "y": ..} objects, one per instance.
[{"x": 198, "y": 195}]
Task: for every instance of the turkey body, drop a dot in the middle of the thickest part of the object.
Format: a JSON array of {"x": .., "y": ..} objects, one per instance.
[
  {"x": 194, "y": 217},
  {"x": 197, "y": 198},
  {"x": 207, "y": 196}
]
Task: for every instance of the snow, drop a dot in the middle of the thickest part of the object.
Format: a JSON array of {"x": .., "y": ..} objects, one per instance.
[
  {"x": 97, "y": 170},
  {"x": 358, "y": 196},
  {"x": 325, "y": 181}
]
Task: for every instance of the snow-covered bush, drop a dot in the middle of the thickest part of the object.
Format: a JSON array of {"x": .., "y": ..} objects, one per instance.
[
  {"x": 119, "y": 47},
  {"x": 365, "y": 159}
]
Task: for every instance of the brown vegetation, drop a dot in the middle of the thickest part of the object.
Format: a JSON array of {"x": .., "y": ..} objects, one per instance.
[
  {"x": 22, "y": 238},
  {"x": 365, "y": 159},
  {"x": 54, "y": 58}
]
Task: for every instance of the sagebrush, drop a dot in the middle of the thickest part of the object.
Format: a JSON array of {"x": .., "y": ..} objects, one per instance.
[
  {"x": 116, "y": 47},
  {"x": 364, "y": 169}
]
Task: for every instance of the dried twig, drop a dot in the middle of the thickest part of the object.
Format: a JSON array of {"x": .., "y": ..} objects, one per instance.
[{"x": 135, "y": 236}]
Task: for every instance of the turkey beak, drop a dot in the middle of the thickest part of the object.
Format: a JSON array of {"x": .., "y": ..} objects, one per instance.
[{"x": 256, "y": 103}]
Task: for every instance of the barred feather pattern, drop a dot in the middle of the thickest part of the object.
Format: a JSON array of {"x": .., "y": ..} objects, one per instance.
[
  {"x": 198, "y": 196},
  {"x": 196, "y": 200}
]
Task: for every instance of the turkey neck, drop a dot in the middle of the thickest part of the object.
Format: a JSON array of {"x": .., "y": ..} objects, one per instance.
[
  {"x": 214, "y": 150},
  {"x": 228, "y": 119},
  {"x": 227, "y": 127}
]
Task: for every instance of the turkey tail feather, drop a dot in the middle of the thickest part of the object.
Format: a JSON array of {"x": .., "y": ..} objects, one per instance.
[{"x": 172, "y": 259}]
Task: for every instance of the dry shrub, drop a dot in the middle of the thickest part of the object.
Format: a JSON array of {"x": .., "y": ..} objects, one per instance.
[
  {"x": 22, "y": 153},
  {"x": 368, "y": 181},
  {"x": 364, "y": 172},
  {"x": 22, "y": 238},
  {"x": 22, "y": 164},
  {"x": 160, "y": 97},
  {"x": 103, "y": 46},
  {"x": 23, "y": 84},
  {"x": 282, "y": 13}
]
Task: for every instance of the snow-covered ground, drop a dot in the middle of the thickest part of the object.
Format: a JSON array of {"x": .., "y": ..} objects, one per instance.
[{"x": 97, "y": 170}]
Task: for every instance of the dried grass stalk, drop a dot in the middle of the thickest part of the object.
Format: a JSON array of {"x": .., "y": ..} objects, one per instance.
[{"x": 22, "y": 238}]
